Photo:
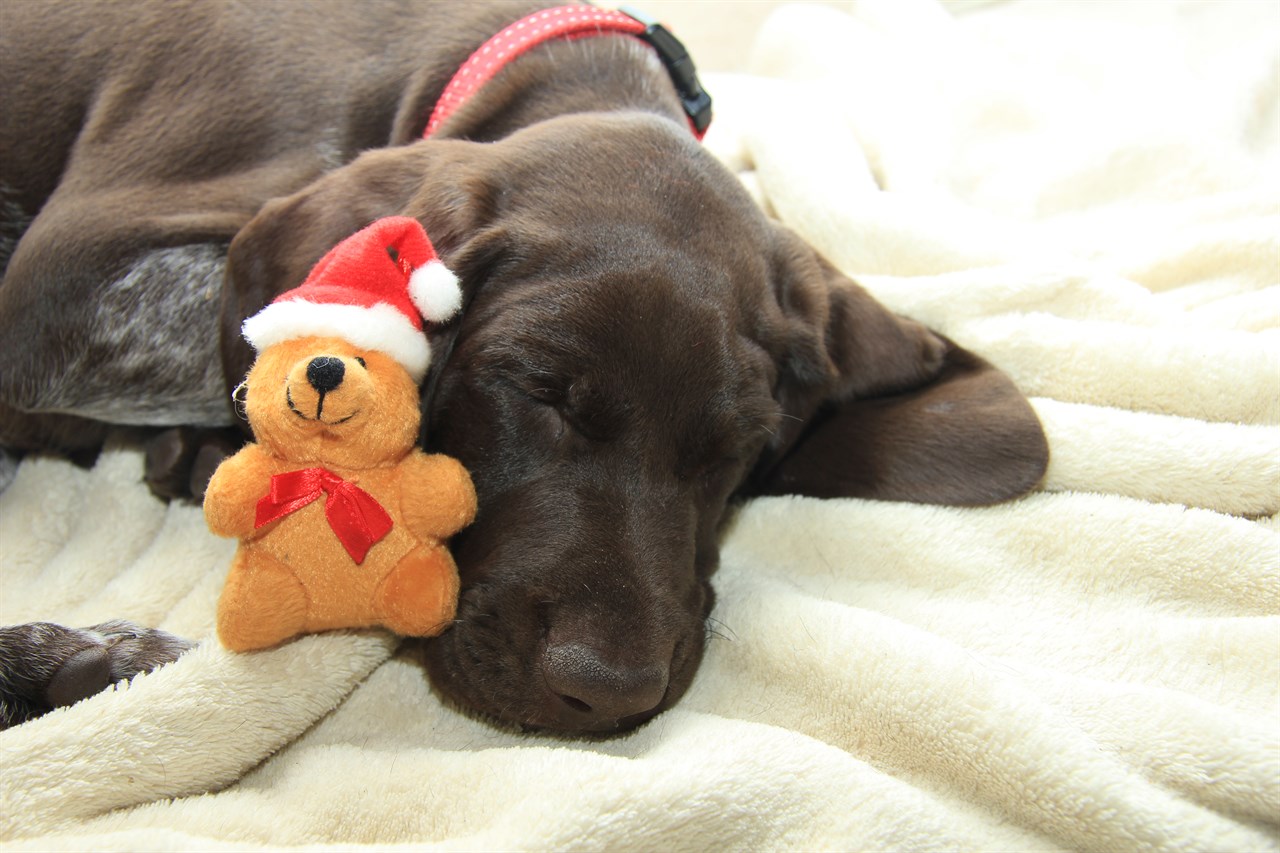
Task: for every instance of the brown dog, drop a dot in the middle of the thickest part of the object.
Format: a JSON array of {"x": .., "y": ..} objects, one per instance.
[{"x": 639, "y": 343}]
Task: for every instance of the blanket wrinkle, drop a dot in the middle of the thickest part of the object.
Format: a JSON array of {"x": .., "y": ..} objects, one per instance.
[
  {"x": 931, "y": 716},
  {"x": 1088, "y": 195}
]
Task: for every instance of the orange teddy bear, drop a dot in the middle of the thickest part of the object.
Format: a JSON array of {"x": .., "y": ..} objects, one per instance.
[{"x": 333, "y": 403}]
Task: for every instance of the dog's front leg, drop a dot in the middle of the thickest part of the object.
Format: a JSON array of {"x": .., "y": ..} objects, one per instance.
[{"x": 114, "y": 317}]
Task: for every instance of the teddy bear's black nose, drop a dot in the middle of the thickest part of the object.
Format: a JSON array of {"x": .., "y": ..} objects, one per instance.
[{"x": 325, "y": 373}]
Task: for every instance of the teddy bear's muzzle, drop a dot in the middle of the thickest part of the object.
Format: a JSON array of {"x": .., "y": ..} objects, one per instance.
[{"x": 327, "y": 389}]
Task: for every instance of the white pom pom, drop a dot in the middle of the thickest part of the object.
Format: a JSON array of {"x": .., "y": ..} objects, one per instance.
[{"x": 435, "y": 291}]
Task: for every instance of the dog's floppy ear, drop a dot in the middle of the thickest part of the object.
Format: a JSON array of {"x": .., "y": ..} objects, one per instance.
[
  {"x": 433, "y": 181},
  {"x": 877, "y": 406}
]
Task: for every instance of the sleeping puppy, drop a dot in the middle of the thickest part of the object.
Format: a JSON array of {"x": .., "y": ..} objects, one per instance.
[{"x": 640, "y": 346}]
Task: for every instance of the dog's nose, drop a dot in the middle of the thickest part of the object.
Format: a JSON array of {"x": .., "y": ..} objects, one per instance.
[
  {"x": 601, "y": 691},
  {"x": 325, "y": 373}
]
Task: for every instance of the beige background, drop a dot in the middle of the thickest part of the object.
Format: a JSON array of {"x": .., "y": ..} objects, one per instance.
[{"x": 718, "y": 33}]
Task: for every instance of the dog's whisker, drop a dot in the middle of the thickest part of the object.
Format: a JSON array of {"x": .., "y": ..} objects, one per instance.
[{"x": 719, "y": 630}]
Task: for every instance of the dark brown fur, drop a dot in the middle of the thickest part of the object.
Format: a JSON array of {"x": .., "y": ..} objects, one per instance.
[{"x": 640, "y": 345}]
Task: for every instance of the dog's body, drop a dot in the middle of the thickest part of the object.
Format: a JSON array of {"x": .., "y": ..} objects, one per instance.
[{"x": 639, "y": 343}]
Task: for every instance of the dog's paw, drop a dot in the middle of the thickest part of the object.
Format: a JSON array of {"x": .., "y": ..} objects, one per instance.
[
  {"x": 45, "y": 666},
  {"x": 9, "y": 460},
  {"x": 180, "y": 460}
]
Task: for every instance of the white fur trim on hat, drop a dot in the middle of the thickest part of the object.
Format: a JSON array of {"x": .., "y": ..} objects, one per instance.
[
  {"x": 435, "y": 291},
  {"x": 380, "y": 327}
]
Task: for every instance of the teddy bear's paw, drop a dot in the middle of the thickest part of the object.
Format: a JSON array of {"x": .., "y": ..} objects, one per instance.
[
  {"x": 45, "y": 666},
  {"x": 420, "y": 596}
]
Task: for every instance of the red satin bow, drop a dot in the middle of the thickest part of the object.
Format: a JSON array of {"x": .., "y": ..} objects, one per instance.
[{"x": 354, "y": 515}]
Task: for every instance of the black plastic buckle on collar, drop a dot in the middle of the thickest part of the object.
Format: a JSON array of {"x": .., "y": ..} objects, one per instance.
[{"x": 697, "y": 103}]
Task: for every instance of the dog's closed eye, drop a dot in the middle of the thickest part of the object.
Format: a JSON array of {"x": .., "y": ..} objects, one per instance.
[
  {"x": 546, "y": 395},
  {"x": 537, "y": 403}
]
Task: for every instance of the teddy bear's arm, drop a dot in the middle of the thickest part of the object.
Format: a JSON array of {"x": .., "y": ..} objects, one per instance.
[
  {"x": 437, "y": 498},
  {"x": 231, "y": 500}
]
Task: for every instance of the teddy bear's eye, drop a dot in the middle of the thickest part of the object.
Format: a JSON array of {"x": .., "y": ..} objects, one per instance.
[{"x": 361, "y": 361}]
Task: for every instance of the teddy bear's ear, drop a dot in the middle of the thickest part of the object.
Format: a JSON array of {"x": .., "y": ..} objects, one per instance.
[{"x": 436, "y": 182}]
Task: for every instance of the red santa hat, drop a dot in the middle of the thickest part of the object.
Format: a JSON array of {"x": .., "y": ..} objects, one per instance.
[{"x": 373, "y": 289}]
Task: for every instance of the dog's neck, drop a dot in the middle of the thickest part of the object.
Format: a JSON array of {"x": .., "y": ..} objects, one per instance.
[{"x": 546, "y": 82}]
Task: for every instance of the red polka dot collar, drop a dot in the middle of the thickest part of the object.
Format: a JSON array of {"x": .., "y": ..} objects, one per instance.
[{"x": 574, "y": 22}]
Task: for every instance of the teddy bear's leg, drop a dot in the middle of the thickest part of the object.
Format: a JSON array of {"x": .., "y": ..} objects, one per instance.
[
  {"x": 420, "y": 595},
  {"x": 262, "y": 604}
]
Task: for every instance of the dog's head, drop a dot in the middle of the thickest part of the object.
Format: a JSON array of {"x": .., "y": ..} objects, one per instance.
[{"x": 639, "y": 344}]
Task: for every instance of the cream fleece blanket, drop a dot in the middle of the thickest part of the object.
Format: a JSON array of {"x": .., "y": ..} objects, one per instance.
[{"x": 1088, "y": 195}]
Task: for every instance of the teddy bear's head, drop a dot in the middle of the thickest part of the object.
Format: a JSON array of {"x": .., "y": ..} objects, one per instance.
[
  {"x": 341, "y": 355},
  {"x": 323, "y": 400}
]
